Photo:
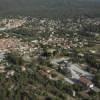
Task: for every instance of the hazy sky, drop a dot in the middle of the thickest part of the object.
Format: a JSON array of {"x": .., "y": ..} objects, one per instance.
[{"x": 49, "y": 6}]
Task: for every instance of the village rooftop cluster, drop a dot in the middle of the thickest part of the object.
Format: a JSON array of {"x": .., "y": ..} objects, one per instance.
[{"x": 60, "y": 57}]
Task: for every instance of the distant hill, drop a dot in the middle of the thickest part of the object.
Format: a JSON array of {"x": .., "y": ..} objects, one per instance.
[{"x": 51, "y": 8}]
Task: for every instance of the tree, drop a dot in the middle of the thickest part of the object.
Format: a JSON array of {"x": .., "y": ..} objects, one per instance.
[{"x": 14, "y": 58}]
